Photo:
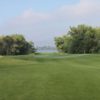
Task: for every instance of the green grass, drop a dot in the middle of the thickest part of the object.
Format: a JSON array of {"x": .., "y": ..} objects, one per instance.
[{"x": 50, "y": 77}]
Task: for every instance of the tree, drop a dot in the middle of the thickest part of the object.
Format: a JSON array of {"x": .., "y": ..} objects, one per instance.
[
  {"x": 62, "y": 43},
  {"x": 80, "y": 39},
  {"x": 15, "y": 45}
]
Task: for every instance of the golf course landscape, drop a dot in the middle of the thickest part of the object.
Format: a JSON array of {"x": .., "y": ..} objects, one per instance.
[
  {"x": 50, "y": 50},
  {"x": 50, "y": 77}
]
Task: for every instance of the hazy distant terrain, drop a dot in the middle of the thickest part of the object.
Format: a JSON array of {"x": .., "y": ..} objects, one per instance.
[{"x": 46, "y": 49}]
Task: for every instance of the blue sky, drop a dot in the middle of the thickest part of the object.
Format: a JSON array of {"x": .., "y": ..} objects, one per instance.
[
  {"x": 41, "y": 20},
  {"x": 12, "y": 8}
]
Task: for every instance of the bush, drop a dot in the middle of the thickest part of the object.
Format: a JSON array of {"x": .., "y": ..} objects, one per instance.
[
  {"x": 15, "y": 45},
  {"x": 80, "y": 39}
]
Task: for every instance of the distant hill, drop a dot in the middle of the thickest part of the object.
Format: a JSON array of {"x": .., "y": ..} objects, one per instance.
[{"x": 46, "y": 49}]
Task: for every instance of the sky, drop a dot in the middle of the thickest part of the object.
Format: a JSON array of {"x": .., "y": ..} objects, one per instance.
[{"x": 41, "y": 21}]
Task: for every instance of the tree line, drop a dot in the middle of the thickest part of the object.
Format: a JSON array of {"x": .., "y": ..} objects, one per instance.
[
  {"x": 80, "y": 39},
  {"x": 15, "y": 45}
]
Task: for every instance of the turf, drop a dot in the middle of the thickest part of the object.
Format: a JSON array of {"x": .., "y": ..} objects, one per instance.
[{"x": 50, "y": 77}]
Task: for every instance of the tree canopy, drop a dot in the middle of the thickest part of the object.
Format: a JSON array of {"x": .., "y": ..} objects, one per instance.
[
  {"x": 80, "y": 39},
  {"x": 15, "y": 45}
]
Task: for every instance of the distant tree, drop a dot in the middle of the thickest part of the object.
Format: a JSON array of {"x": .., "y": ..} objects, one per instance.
[
  {"x": 7, "y": 44},
  {"x": 62, "y": 43},
  {"x": 15, "y": 45},
  {"x": 80, "y": 39}
]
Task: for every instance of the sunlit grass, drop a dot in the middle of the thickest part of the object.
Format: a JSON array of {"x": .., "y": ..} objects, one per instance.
[{"x": 52, "y": 77}]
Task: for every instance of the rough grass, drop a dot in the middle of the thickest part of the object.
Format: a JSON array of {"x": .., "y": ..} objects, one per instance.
[{"x": 50, "y": 77}]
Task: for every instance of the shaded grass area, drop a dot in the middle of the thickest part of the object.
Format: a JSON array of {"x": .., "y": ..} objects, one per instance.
[{"x": 50, "y": 77}]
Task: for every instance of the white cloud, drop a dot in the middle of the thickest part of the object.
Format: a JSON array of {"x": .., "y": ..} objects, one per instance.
[
  {"x": 83, "y": 8},
  {"x": 44, "y": 26},
  {"x": 29, "y": 17}
]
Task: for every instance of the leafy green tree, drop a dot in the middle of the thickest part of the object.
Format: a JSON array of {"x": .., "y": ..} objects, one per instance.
[
  {"x": 15, "y": 45},
  {"x": 80, "y": 39}
]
